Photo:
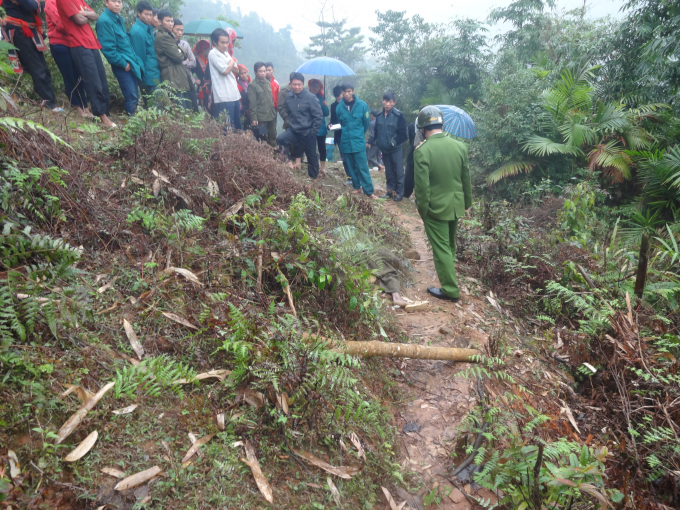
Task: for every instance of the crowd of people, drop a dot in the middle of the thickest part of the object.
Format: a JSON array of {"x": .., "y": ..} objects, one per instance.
[{"x": 206, "y": 76}]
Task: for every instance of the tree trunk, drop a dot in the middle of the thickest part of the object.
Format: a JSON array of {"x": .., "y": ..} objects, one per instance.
[
  {"x": 413, "y": 351},
  {"x": 642, "y": 266}
]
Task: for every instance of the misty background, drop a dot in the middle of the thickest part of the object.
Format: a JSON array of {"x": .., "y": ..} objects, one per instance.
[{"x": 280, "y": 31}]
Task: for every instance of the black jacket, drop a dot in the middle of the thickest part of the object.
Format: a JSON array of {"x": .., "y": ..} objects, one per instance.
[
  {"x": 337, "y": 135},
  {"x": 390, "y": 131},
  {"x": 24, "y": 10},
  {"x": 304, "y": 112}
]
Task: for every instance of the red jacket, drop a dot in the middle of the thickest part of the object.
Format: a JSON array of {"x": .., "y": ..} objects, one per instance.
[{"x": 275, "y": 92}]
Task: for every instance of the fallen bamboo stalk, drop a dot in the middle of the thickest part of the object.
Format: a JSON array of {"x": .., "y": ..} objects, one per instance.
[{"x": 367, "y": 349}]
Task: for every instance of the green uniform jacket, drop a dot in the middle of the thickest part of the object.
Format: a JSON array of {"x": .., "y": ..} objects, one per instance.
[
  {"x": 115, "y": 43},
  {"x": 261, "y": 101},
  {"x": 354, "y": 125},
  {"x": 442, "y": 178},
  {"x": 283, "y": 111},
  {"x": 142, "y": 39},
  {"x": 170, "y": 57}
]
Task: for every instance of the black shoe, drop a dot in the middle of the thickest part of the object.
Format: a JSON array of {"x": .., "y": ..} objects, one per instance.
[
  {"x": 388, "y": 194},
  {"x": 398, "y": 198},
  {"x": 437, "y": 292}
]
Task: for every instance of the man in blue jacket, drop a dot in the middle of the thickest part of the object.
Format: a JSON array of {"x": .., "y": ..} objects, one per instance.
[
  {"x": 117, "y": 49},
  {"x": 390, "y": 134},
  {"x": 143, "y": 40},
  {"x": 354, "y": 118}
]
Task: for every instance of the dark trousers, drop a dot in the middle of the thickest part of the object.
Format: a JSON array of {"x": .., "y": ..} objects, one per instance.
[
  {"x": 91, "y": 67},
  {"x": 321, "y": 144},
  {"x": 233, "y": 109},
  {"x": 409, "y": 178},
  {"x": 74, "y": 88},
  {"x": 394, "y": 171},
  {"x": 128, "y": 86},
  {"x": 147, "y": 93},
  {"x": 373, "y": 155},
  {"x": 33, "y": 62},
  {"x": 308, "y": 144}
]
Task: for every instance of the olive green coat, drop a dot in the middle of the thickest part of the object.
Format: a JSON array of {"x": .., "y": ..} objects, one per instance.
[
  {"x": 261, "y": 101},
  {"x": 170, "y": 57},
  {"x": 282, "y": 108},
  {"x": 442, "y": 178}
]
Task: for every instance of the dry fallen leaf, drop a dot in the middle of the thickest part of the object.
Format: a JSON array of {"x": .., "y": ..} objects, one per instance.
[
  {"x": 132, "y": 337},
  {"x": 346, "y": 472},
  {"x": 220, "y": 421},
  {"x": 77, "y": 417},
  {"x": 83, "y": 447},
  {"x": 83, "y": 395},
  {"x": 232, "y": 210},
  {"x": 213, "y": 188},
  {"x": 126, "y": 410},
  {"x": 115, "y": 472},
  {"x": 217, "y": 374},
  {"x": 156, "y": 188},
  {"x": 104, "y": 288},
  {"x": 113, "y": 307},
  {"x": 194, "y": 447},
  {"x": 416, "y": 307},
  {"x": 184, "y": 272},
  {"x": 14, "y": 466},
  {"x": 137, "y": 479},
  {"x": 160, "y": 176},
  {"x": 181, "y": 195},
  {"x": 567, "y": 411},
  {"x": 254, "y": 466},
  {"x": 357, "y": 442},
  {"x": 179, "y": 319},
  {"x": 282, "y": 401},
  {"x": 193, "y": 440},
  {"x": 334, "y": 491},
  {"x": 390, "y": 499},
  {"x": 254, "y": 398}
]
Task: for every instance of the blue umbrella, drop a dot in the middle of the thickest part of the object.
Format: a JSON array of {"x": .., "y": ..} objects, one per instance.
[
  {"x": 326, "y": 66},
  {"x": 457, "y": 121}
]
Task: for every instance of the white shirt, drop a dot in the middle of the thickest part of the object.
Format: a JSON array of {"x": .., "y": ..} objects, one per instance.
[{"x": 224, "y": 87}]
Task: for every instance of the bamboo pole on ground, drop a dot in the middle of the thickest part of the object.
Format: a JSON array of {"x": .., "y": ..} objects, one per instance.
[{"x": 413, "y": 351}]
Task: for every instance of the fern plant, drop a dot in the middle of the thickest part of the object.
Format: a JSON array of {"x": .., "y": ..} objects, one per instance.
[{"x": 152, "y": 376}]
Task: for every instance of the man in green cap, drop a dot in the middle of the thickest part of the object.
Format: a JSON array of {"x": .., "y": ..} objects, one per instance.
[{"x": 443, "y": 194}]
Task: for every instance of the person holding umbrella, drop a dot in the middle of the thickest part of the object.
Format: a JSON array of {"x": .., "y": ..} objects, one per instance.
[{"x": 444, "y": 194}]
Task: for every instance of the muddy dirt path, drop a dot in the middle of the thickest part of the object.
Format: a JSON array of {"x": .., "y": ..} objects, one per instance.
[{"x": 428, "y": 421}]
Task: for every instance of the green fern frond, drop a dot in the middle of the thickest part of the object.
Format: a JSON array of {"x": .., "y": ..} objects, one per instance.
[{"x": 509, "y": 169}]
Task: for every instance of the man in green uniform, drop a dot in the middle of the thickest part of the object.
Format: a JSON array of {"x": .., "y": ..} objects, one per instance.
[
  {"x": 262, "y": 111},
  {"x": 444, "y": 195}
]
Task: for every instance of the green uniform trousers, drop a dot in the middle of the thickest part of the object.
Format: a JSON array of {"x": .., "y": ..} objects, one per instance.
[
  {"x": 357, "y": 167},
  {"x": 442, "y": 237}
]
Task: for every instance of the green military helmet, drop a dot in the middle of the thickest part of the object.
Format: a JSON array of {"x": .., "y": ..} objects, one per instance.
[{"x": 429, "y": 116}]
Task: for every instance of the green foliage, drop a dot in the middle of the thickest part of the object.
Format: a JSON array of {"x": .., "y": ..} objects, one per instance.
[
  {"x": 336, "y": 41},
  {"x": 152, "y": 376},
  {"x": 25, "y": 193},
  {"x": 567, "y": 474}
]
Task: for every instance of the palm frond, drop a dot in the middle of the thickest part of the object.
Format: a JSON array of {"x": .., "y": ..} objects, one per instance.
[
  {"x": 510, "y": 169},
  {"x": 540, "y": 146},
  {"x": 672, "y": 160}
]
